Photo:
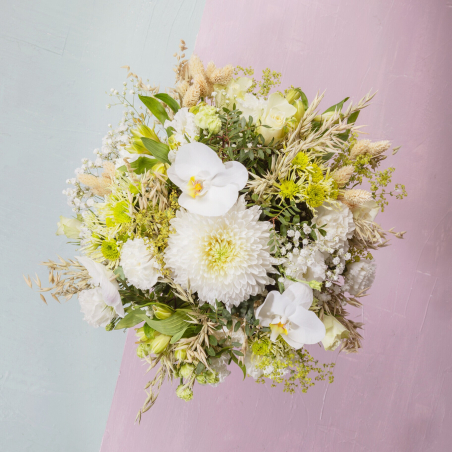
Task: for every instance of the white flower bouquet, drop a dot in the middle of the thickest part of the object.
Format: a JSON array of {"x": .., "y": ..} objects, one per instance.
[{"x": 225, "y": 220}]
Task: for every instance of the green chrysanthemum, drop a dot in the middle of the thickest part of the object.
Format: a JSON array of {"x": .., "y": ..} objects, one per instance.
[
  {"x": 301, "y": 161},
  {"x": 110, "y": 250},
  {"x": 315, "y": 195},
  {"x": 120, "y": 213},
  {"x": 289, "y": 189},
  {"x": 317, "y": 173},
  {"x": 261, "y": 347}
]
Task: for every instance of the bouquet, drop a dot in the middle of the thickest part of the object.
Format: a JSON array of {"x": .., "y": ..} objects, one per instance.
[{"x": 225, "y": 218}]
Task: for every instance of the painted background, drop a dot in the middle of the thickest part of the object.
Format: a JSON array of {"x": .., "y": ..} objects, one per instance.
[
  {"x": 57, "y": 59},
  {"x": 395, "y": 396}
]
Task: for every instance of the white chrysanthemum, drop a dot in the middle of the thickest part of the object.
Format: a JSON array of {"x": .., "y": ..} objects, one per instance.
[
  {"x": 337, "y": 221},
  {"x": 139, "y": 265},
  {"x": 224, "y": 258},
  {"x": 307, "y": 265},
  {"x": 97, "y": 312},
  {"x": 183, "y": 124},
  {"x": 359, "y": 276}
]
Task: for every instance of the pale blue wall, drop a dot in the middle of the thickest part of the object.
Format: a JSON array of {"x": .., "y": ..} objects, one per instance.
[{"x": 57, "y": 59}]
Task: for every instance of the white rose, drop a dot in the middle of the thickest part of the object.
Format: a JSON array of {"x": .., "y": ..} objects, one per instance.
[
  {"x": 359, "y": 276},
  {"x": 337, "y": 220},
  {"x": 276, "y": 114},
  {"x": 366, "y": 211},
  {"x": 228, "y": 95},
  {"x": 252, "y": 106},
  {"x": 97, "y": 312},
  {"x": 335, "y": 332}
]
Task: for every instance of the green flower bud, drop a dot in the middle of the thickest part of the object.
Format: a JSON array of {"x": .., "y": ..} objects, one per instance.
[
  {"x": 180, "y": 354},
  {"x": 186, "y": 370},
  {"x": 293, "y": 95},
  {"x": 300, "y": 110},
  {"x": 140, "y": 334},
  {"x": 184, "y": 393},
  {"x": 159, "y": 343},
  {"x": 142, "y": 350},
  {"x": 162, "y": 312},
  {"x": 212, "y": 377},
  {"x": 201, "y": 379}
]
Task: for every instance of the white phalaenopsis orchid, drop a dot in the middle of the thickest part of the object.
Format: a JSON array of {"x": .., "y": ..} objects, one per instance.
[
  {"x": 209, "y": 186},
  {"x": 104, "y": 278},
  {"x": 288, "y": 315}
]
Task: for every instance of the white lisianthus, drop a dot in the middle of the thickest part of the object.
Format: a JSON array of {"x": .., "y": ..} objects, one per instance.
[
  {"x": 277, "y": 112},
  {"x": 139, "y": 265},
  {"x": 366, "y": 211},
  {"x": 97, "y": 312},
  {"x": 220, "y": 367},
  {"x": 70, "y": 227},
  {"x": 209, "y": 186},
  {"x": 288, "y": 316},
  {"x": 103, "y": 278},
  {"x": 224, "y": 258},
  {"x": 307, "y": 265},
  {"x": 359, "y": 276},
  {"x": 228, "y": 95},
  {"x": 337, "y": 220},
  {"x": 335, "y": 332}
]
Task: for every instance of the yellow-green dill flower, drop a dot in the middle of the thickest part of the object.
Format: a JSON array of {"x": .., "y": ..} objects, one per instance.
[
  {"x": 261, "y": 347},
  {"x": 121, "y": 212},
  {"x": 160, "y": 343},
  {"x": 315, "y": 195},
  {"x": 184, "y": 393},
  {"x": 186, "y": 370},
  {"x": 301, "y": 161},
  {"x": 288, "y": 189},
  {"x": 110, "y": 250}
]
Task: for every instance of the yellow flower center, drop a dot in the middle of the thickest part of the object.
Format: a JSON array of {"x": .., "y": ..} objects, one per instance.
[
  {"x": 219, "y": 252},
  {"x": 194, "y": 186},
  {"x": 279, "y": 328}
]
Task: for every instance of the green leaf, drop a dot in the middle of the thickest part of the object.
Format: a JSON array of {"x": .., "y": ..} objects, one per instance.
[
  {"x": 327, "y": 156},
  {"x": 353, "y": 117},
  {"x": 211, "y": 351},
  {"x": 119, "y": 272},
  {"x": 148, "y": 331},
  {"x": 158, "y": 150},
  {"x": 337, "y": 107},
  {"x": 131, "y": 319},
  {"x": 168, "y": 100},
  {"x": 213, "y": 340},
  {"x": 177, "y": 336},
  {"x": 199, "y": 368},
  {"x": 155, "y": 107},
  {"x": 237, "y": 352},
  {"x": 303, "y": 98},
  {"x": 170, "y": 326},
  {"x": 143, "y": 164},
  {"x": 236, "y": 326},
  {"x": 234, "y": 358}
]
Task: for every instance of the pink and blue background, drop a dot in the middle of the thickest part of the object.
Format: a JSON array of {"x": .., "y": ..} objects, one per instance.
[{"x": 58, "y": 375}]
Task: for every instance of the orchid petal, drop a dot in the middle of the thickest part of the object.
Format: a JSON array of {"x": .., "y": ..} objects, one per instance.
[
  {"x": 274, "y": 304},
  {"x": 195, "y": 157},
  {"x": 306, "y": 327},
  {"x": 301, "y": 294},
  {"x": 235, "y": 173},
  {"x": 215, "y": 202}
]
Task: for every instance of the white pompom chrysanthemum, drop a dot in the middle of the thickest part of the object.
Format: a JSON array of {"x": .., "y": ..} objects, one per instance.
[
  {"x": 139, "y": 265},
  {"x": 223, "y": 258},
  {"x": 359, "y": 276}
]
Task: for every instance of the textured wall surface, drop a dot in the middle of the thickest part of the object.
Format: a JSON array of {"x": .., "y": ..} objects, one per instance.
[
  {"x": 57, "y": 59},
  {"x": 394, "y": 396}
]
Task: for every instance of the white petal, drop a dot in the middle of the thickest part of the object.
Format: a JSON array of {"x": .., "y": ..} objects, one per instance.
[
  {"x": 301, "y": 294},
  {"x": 217, "y": 201},
  {"x": 305, "y": 327},
  {"x": 275, "y": 100},
  {"x": 174, "y": 178},
  {"x": 234, "y": 173},
  {"x": 96, "y": 271},
  {"x": 111, "y": 295},
  {"x": 275, "y": 304},
  {"x": 193, "y": 158}
]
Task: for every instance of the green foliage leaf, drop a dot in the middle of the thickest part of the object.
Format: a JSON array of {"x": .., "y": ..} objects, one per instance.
[
  {"x": 242, "y": 367},
  {"x": 168, "y": 100},
  {"x": 353, "y": 117},
  {"x": 199, "y": 368},
  {"x": 170, "y": 326},
  {"x": 143, "y": 164},
  {"x": 155, "y": 107},
  {"x": 148, "y": 331},
  {"x": 337, "y": 107},
  {"x": 158, "y": 150},
  {"x": 177, "y": 336},
  {"x": 131, "y": 319},
  {"x": 213, "y": 340}
]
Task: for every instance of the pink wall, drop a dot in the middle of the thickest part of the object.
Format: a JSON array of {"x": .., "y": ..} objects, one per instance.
[{"x": 396, "y": 394}]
